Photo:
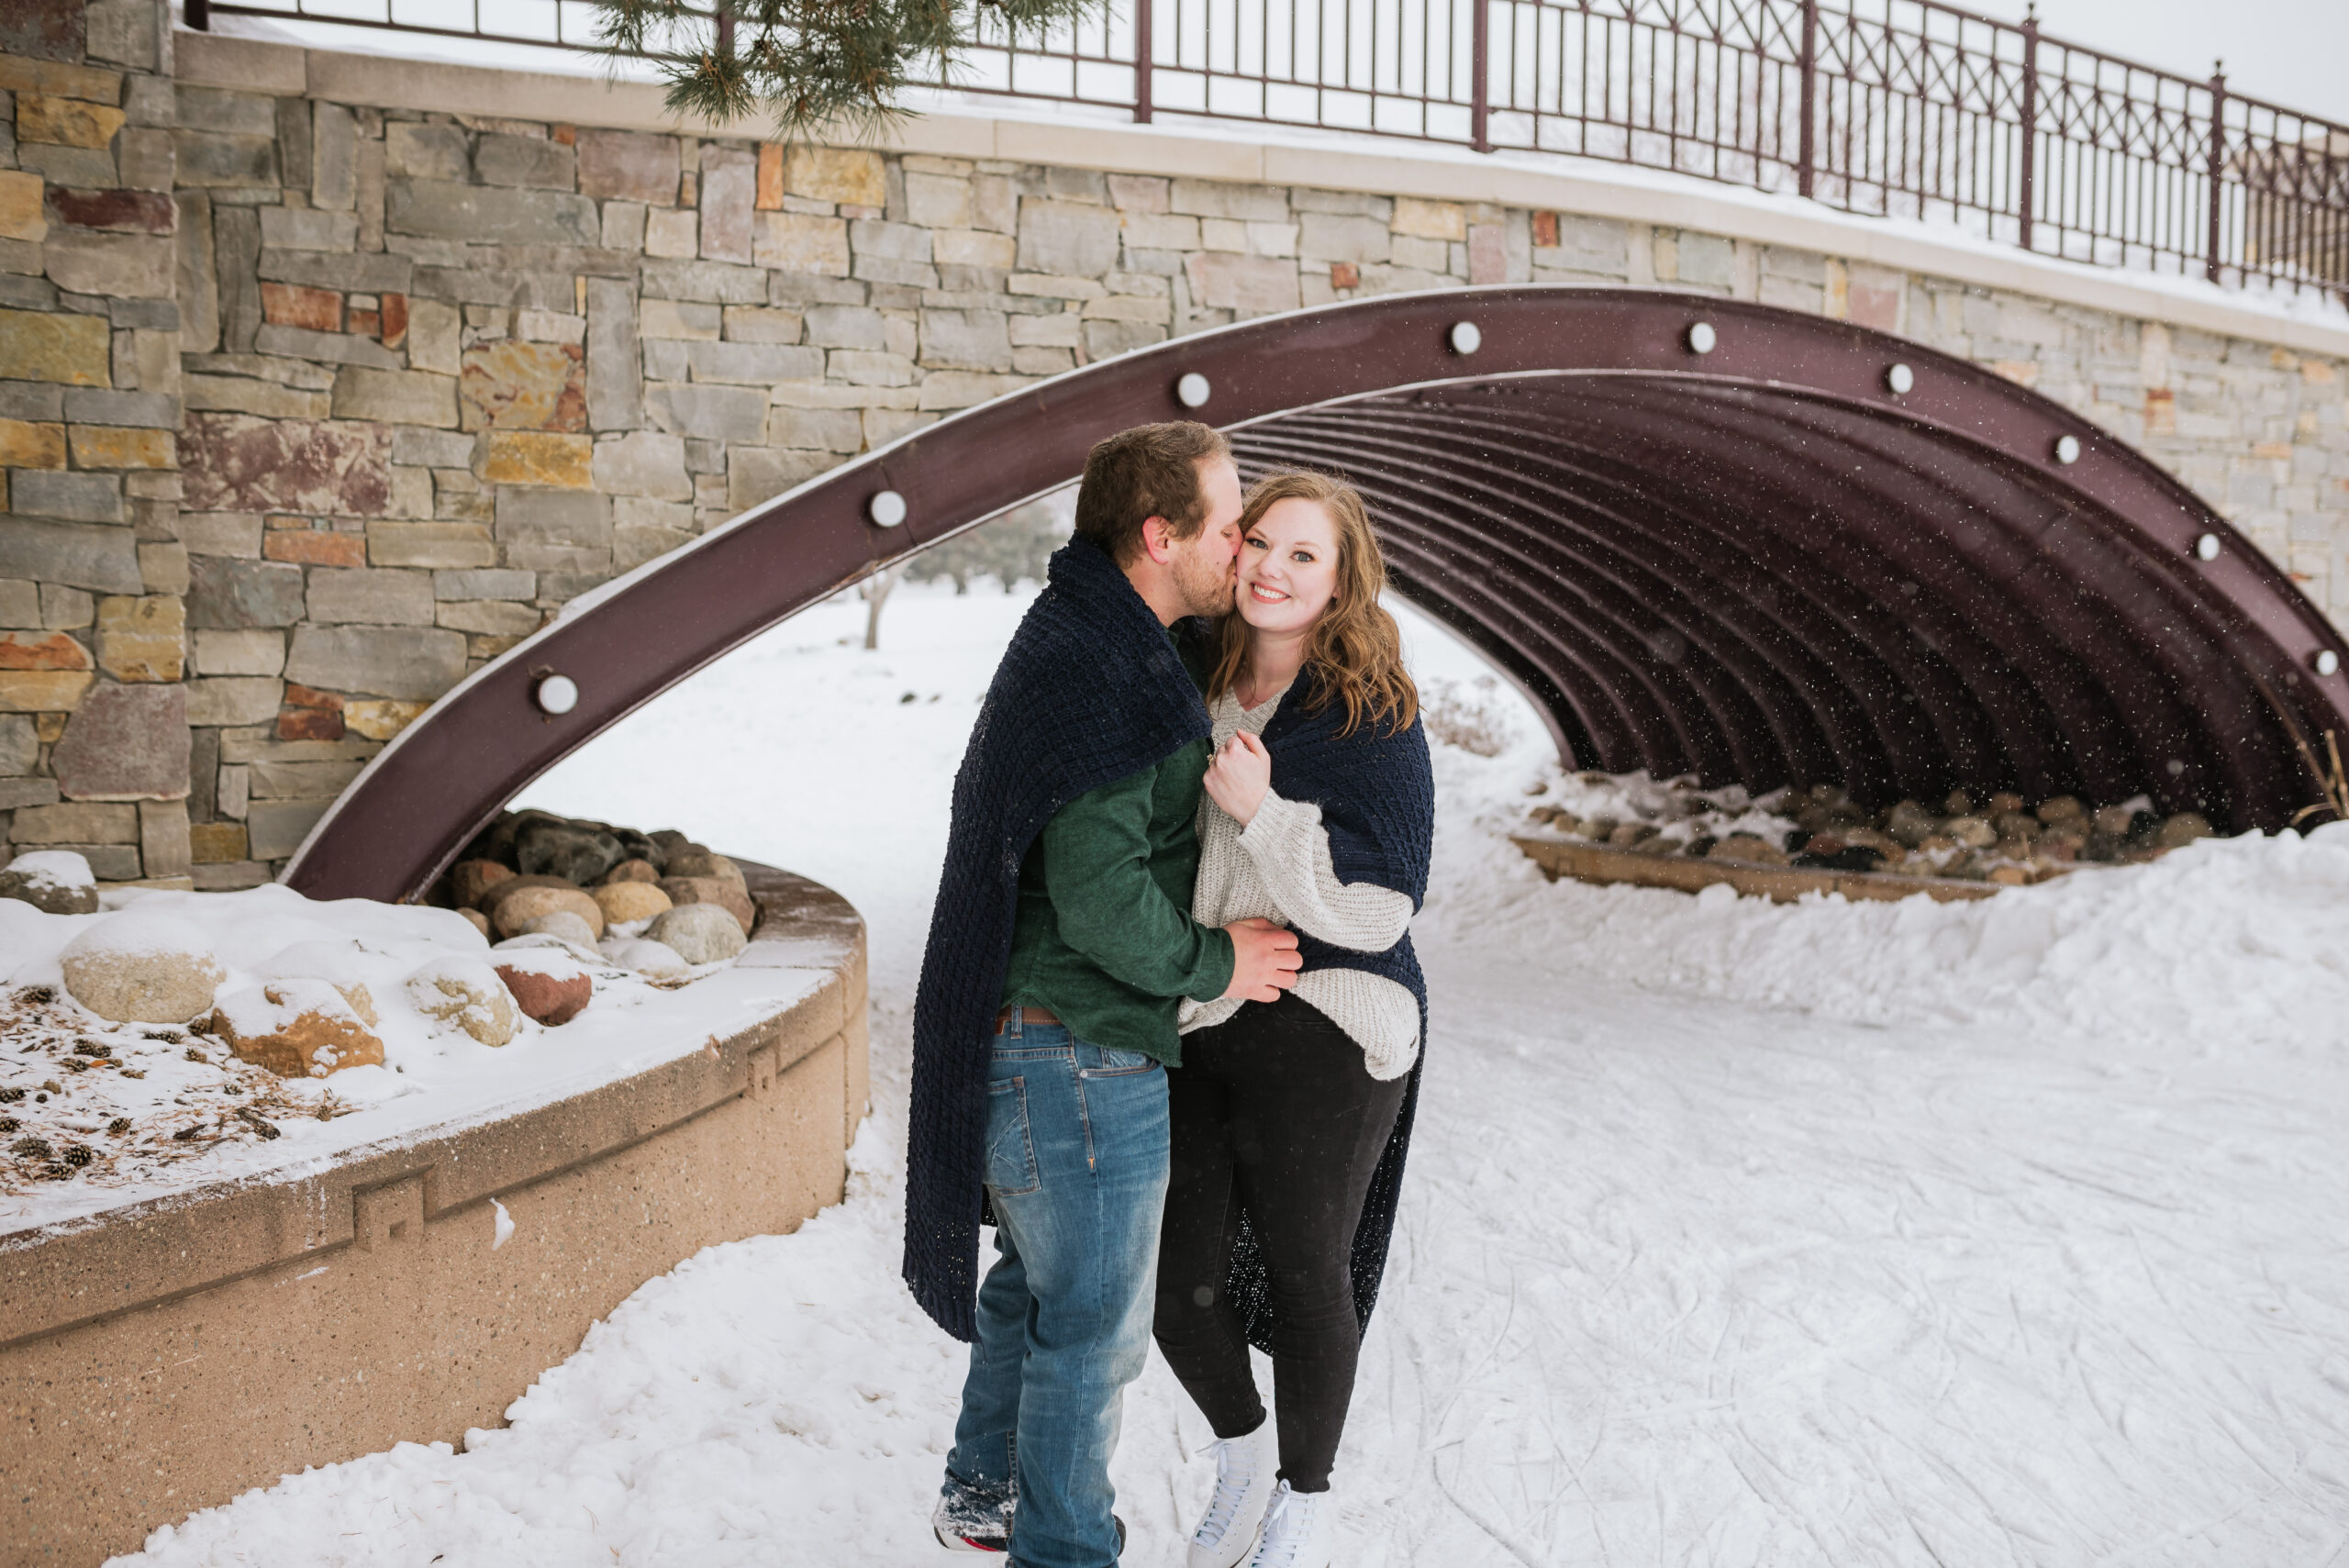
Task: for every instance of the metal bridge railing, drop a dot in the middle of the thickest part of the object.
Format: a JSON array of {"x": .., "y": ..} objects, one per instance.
[{"x": 1898, "y": 107}]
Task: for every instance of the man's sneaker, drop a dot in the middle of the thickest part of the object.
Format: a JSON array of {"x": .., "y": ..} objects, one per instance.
[
  {"x": 1297, "y": 1531},
  {"x": 968, "y": 1520},
  {"x": 1244, "y": 1488}
]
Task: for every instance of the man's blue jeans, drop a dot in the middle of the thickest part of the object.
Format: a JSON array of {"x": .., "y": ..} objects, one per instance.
[{"x": 1076, "y": 1172}]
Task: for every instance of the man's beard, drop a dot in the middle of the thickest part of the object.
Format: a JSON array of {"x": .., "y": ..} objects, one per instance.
[{"x": 1206, "y": 587}]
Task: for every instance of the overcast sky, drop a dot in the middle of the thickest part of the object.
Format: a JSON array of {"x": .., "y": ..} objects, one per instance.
[{"x": 2294, "y": 53}]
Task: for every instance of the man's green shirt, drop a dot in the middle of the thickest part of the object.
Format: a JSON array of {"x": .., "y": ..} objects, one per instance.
[{"x": 1103, "y": 937}]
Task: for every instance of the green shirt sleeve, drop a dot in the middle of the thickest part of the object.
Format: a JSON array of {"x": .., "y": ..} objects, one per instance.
[{"x": 1109, "y": 908}]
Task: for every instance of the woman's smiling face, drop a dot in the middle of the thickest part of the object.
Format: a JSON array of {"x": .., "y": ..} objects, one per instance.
[{"x": 1288, "y": 566}]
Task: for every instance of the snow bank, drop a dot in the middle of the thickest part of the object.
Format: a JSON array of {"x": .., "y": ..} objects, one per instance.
[{"x": 2223, "y": 942}]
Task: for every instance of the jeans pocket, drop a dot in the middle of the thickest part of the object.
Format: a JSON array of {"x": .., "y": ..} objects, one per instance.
[
  {"x": 1011, "y": 1152},
  {"x": 1115, "y": 1063}
]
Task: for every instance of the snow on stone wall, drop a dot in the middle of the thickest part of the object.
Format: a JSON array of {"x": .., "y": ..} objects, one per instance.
[{"x": 432, "y": 375}]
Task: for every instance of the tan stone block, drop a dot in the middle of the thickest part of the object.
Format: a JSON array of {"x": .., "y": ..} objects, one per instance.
[
  {"x": 24, "y": 74},
  {"x": 24, "y": 445},
  {"x": 215, "y": 843},
  {"x": 770, "y": 186},
  {"x": 143, "y": 639},
  {"x": 796, "y": 242},
  {"x": 1129, "y": 307},
  {"x": 1430, "y": 220},
  {"x": 41, "y": 346},
  {"x": 971, "y": 248},
  {"x": 452, "y": 546},
  {"x": 380, "y": 718},
  {"x": 65, "y": 122},
  {"x": 538, "y": 457},
  {"x": 20, "y": 207},
  {"x": 43, "y": 690},
  {"x": 112, "y": 446},
  {"x": 836, "y": 174}
]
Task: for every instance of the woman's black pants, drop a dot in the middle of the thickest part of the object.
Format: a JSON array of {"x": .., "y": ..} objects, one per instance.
[{"x": 1273, "y": 1115}]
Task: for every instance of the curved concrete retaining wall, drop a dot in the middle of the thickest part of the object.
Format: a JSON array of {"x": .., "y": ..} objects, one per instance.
[{"x": 167, "y": 1356}]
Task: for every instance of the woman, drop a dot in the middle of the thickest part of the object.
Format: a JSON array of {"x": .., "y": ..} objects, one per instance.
[{"x": 1289, "y": 1118}]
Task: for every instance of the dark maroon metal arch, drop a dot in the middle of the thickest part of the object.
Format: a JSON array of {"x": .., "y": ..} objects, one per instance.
[{"x": 1754, "y": 564}]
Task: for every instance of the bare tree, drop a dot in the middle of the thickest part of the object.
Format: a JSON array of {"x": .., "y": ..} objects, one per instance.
[{"x": 874, "y": 591}]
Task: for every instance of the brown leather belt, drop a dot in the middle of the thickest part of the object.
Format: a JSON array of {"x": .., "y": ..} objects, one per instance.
[{"x": 1027, "y": 1014}]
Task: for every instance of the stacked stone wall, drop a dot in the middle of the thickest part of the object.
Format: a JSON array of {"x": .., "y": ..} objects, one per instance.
[{"x": 433, "y": 374}]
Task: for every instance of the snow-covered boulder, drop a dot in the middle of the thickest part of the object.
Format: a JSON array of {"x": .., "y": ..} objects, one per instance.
[
  {"x": 296, "y": 1029},
  {"x": 699, "y": 933},
  {"x": 550, "y": 986},
  {"x": 57, "y": 882},
  {"x": 137, "y": 968},
  {"x": 468, "y": 994},
  {"x": 654, "y": 960}
]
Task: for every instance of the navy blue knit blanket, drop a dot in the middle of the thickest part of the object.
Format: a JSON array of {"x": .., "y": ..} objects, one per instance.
[
  {"x": 1090, "y": 691},
  {"x": 1376, "y": 793}
]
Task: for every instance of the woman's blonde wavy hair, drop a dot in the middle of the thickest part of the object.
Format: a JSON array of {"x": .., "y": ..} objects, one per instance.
[{"x": 1354, "y": 652}]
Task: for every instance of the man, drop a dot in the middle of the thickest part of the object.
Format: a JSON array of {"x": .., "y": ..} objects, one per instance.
[{"x": 1060, "y": 946}]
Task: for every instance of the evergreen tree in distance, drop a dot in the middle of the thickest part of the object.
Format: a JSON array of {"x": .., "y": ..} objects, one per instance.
[{"x": 813, "y": 66}]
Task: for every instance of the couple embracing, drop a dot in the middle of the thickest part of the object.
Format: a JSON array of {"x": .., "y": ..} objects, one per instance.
[{"x": 1168, "y": 1029}]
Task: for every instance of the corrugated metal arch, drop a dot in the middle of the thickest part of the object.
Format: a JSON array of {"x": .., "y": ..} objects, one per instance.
[{"x": 1756, "y": 563}]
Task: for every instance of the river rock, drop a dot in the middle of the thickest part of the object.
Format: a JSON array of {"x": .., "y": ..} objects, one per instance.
[
  {"x": 296, "y": 1029},
  {"x": 1910, "y": 824},
  {"x": 1751, "y": 848},
  {"x": 467, "y": 992},
  {"x": 654, "y": 960},
  {"x": 705, "y": 933},
  {"x": 1958, "y": 803},
  {"x": 2114, "y": 820},
  {"x": 564, "y": 924},
  {"x": 2006, "y": 800},
  {"x": 625, "y": 901},
  {"x": 635, "y": 869},
  {"x": 684, "y": 890},
  {"x": 57, "y": 882},
  {"x": 2063, "y": 809},
  {"x": 705, "y": 864},
  {"x": 1973, "y": 832},
  {"x": 2018, "y": 825},
  {"x": 476, "y": 920},
  {"x": 513, "y": 911},
  {"x": 548, "y": 986},
  {"x": 550, "y": 846},
  {"x": 469, "y": 880},
  {"x": 2182, "y": 830},
  {"x": 142, "y": 969}
]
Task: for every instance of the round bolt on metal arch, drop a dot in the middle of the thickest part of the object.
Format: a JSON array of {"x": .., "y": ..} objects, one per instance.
[
  {"x": 887, "y": 509},
  {"x": 1899, "y": 380},
  {"x": 1464, "y": 338},
  {"x": 2068, "y": 449},
  {"x": 555, "y": 694},
  {"x": 2207, "y": 547},
  {"x": 1702, "y": 338},
  {"x": 1193, "y": 391}
]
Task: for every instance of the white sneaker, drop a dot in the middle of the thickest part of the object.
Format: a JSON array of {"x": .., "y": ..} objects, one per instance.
[
  {"x": 1244, "y": 1488},
  {"x": 1297, "y": 1531}
]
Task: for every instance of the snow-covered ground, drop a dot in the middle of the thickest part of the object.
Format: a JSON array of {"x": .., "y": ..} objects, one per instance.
[{"x": 1734, "y": 1234}]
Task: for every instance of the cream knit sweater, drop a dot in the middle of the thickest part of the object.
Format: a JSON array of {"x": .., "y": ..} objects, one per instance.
[{"x": 1278, "y": 868}]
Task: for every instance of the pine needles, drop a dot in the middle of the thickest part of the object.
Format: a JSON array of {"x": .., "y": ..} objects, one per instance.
[{"x": 814, "y": 66}]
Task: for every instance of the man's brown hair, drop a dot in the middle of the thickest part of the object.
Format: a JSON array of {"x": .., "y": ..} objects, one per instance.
[{"x": 1150, "y": 470}]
